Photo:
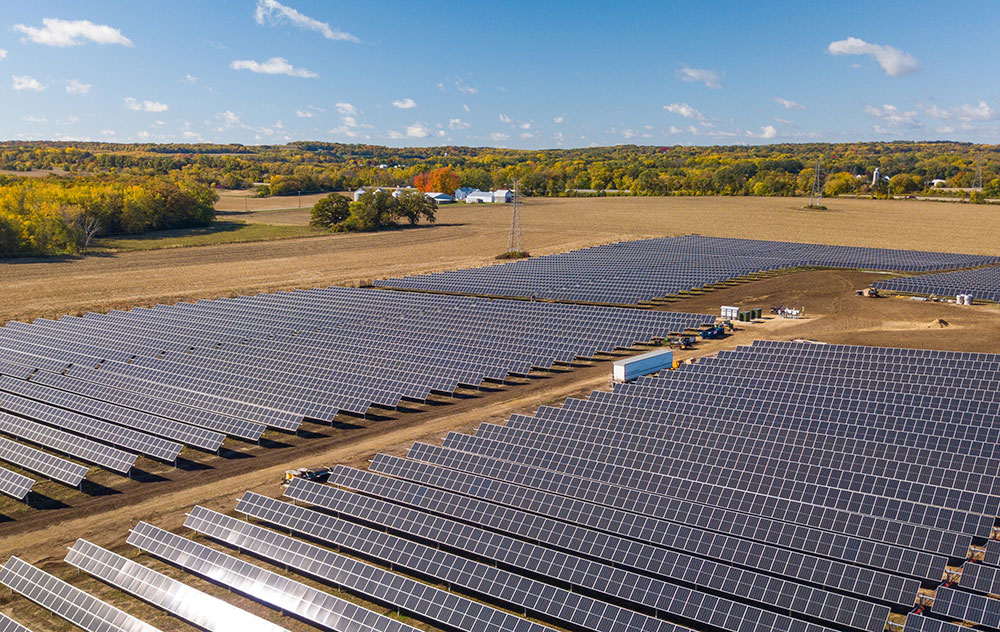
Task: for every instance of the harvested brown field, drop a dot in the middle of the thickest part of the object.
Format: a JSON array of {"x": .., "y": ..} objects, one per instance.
[{"x": 466, "y": 235}]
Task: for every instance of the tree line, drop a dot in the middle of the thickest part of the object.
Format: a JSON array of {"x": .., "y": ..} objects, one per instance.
[
  {"x": 61, "y": 216},
  {"x": 310, "y": 167}
]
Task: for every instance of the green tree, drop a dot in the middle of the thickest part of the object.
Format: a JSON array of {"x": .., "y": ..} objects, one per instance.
[
  {"x": 330, "y": 211},
  {"x": 414, "y": 205}
]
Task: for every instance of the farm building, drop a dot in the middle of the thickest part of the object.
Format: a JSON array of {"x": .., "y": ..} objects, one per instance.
[
  {"x": 461, "y": 193},
  {"x": 362, "y": 190},
  {"x": 502, "y": 196},
  {"x": 401, "y": 190},
  {"x": 440, "y": 198}
]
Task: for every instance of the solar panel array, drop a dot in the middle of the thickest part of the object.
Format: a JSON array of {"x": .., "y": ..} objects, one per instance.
[
  {"x": 204, "y": 611},
  {"x": 776, "y": 486},
  {"x": 105, "y": 388},
  {"x": 69, "y": 602},
  {"x": 982, "y": 283},
  {"x": 634, "y": 272}
]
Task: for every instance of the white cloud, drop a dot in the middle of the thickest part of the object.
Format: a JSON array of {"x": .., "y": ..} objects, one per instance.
[
  {"x": 143, "y": 134},
  {"x": 229, "y": 120},
  {"x": 394, "y": 134},
  {"x": 349, "y": 121},
  {"x": 525, "y": 126},
  {"x": 273, "y": 66},
  {"x": 767, "y": 131},
  {"x": 56, "y": 32},
  {"x": 893, "y": 116},
  {"x": 965, "y": 112},
  {"x": 273, "y": 12},
  {"x": 33, "y": 119},
  {"x": 945, "y": 129},
  {"x": 75, "y": 86},
  {"x": 346, "y": 109},
  {"x": 527, "y": 135},
  {"x": 700, "y": 75},
  {"x": 789, "y": 105},
  {"x": 464, "y": 89},
  {"x": 189, "y": 78},
  {"x": 417, "y": 130},
  {"x": 3, "y": 54},
  {"x": 69, "y": 120},
  {"x": 457, "y": 123},
  {"x": 136, "y": 105},
  {"x": 305, "y": 114},
  {"x": 504, "y": 118},
  {"x": 108, "y": 132},
  {"x": 559, "y": 119},
  {"x": 466, "y": 108},
  {"x": 893, "y": 61},
  {"x": 26, "y": 82},
  {"x": 783, "y": 121},
  {"x": 684, "y": 110},
  {"x": 404, "y": 104},
  {"x": 498, "y": 136}
]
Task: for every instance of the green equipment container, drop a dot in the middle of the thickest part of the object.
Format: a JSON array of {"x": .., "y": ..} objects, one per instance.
[{"x": 756, "y": 313}]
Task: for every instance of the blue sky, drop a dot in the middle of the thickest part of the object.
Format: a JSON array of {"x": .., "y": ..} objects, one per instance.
[{"x": 516, "y": 74}]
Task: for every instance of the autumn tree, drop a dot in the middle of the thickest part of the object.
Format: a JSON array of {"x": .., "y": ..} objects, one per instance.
[
  {"x": 441, "y": 180},
  {"x": 414, "y": 205}
]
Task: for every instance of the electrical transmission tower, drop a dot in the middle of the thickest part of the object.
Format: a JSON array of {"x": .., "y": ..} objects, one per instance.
[
  {"x": 514, "y": 243},
  {"x": 817, "y": 191},
  {"x": 978, "y": 182}
]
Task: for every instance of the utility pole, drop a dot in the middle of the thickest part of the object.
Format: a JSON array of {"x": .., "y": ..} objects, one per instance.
[
  {"x": 978, "y": 182},
  {"x": 817, "y": 191},
  {"x": 514, "y": 243}
]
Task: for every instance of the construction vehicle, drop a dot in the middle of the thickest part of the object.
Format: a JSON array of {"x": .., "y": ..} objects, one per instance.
[
  {"x": 728, "y": 324},
  {"x": 715, "y": 331},
  {"x": 681, "y": 340},
  {"x": 316, "y": 474},
  {"x": 869, "y": 292}
]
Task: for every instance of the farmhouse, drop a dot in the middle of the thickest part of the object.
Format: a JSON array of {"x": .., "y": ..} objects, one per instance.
[{"x": 461, "y": 193}]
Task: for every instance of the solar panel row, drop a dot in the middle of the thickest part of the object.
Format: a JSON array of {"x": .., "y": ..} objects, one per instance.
[
  {"x": 9, "y": 625},
  {"x": 983, "y": 283},
  {"x": 639, "y": 271}
]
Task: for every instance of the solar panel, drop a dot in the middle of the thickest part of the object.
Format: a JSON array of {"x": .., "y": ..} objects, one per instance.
[
  {"x": 42, "y": 463},
  {"x": 963, "y": 606},
  {"x": 14, "y": 484},
  {"x": 175, "y": 597},
  {"x": 9, "y": 625},
  {"x": 992, "y": 555},
  {"x": 921, "y": 623},
  {"x": 79, "y": 608},
  {"x": 277, "y": 591},
  {"x": 983, "y": 283},
  {"x": 980, "y": 578}
]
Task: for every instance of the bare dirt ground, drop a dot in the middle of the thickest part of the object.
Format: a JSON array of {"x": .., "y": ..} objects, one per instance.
[
  {"x": 834, "y": 314},
  {"x": 467, "y": 235}
]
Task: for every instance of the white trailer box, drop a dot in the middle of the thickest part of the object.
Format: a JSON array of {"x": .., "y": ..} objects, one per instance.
[
  {"x": 630, "y": 368},
  {"x": 730, "y": 313}
]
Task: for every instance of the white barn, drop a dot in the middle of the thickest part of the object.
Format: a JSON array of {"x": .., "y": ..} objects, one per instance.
[
  {"x": 462, "y": 192},
  {"x": 440, "y": 198},
  {"x": 503, "y": 196}
]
